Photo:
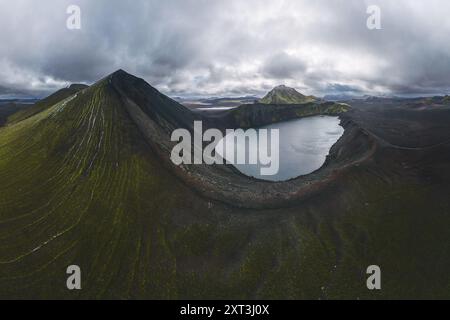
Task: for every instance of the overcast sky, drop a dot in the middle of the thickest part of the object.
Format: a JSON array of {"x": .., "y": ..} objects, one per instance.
[{"x": 227, "y": 47}]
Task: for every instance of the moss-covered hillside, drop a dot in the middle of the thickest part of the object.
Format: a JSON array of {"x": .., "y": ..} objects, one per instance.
[{"x": 46, "y": 102}]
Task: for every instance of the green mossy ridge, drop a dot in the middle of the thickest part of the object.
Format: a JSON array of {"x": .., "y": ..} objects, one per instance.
[
  {"x": 46, "y": 103},
  {"x": 71, "y": 169}
]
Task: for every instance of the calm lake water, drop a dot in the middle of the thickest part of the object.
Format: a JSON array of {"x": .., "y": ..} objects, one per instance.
[{"x": 304, "y": 146}]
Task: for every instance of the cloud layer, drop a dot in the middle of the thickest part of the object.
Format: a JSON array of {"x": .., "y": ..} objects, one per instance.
[{"x": 228, "y": 47}]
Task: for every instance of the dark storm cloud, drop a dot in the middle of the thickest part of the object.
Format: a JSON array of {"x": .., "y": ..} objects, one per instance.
[
  {"x": 283, "y": 66},
  {"x": 201, "y": 47}
]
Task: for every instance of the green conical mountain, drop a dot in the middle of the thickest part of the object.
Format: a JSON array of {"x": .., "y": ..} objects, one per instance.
[
  {"x": 81, "y": 185},
  {"x": 286, "y": 95}
]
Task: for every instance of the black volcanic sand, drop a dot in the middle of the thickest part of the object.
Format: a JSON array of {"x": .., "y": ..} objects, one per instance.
[{"x": 140, "y": 228}]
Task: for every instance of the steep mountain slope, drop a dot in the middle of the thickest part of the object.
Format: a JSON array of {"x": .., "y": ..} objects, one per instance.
[
  {"x": 160, "y": 108},
  {"x": 82, "y": 187},
  {"x": 286, "y": 95},
  {"x": 83, "y": 184},
  {"x": 47, "y": 102}
]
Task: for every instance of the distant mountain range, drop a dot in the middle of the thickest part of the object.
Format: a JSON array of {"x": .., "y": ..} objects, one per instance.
[
  {"x": 215, "y": 102},
  {"x": 348, "y": 97}
]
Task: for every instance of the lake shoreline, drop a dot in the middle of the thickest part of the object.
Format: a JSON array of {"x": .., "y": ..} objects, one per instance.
[{"x": 303, "y": 147}]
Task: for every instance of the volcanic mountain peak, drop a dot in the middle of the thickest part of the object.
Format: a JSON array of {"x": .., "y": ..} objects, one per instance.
[
  {"x": 156, "y": 105},
  {"x": 283, "y": 87},
  {"x": 121, "y": 74},
  {"x": 286, "y": 95},
  {"x": 118, "y": 76}
]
